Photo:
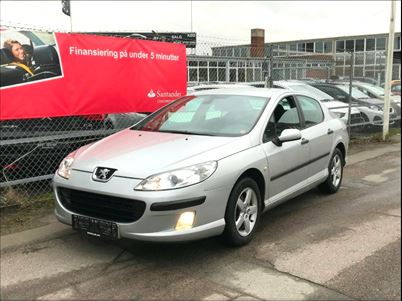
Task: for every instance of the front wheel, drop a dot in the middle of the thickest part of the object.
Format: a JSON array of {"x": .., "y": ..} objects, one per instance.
[
  {"x": 242, "y": 212},
  {"x": 335, "y": 169}
]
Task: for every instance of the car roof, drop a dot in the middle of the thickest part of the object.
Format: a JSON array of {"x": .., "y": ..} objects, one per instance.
[
  {"x": 290, "y": 83},
  {"x": 249, "y": 91}
]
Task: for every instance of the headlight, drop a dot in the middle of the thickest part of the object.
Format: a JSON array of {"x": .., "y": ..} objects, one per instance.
[
  {"x": 339, "y": 114},
  {"x": 65, "y": 166},
  {"x": 178, "y": 178},
  {"x": 376, "y": 108}
]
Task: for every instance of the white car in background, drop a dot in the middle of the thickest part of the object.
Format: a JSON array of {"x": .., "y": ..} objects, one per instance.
[{"x": 376, "y": 92}]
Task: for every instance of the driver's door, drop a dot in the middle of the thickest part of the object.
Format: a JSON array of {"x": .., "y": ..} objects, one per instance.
[{"x": 287, "y": 164}]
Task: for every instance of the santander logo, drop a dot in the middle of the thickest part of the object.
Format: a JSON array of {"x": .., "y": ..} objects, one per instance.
[{"x": 151, "y": 94}]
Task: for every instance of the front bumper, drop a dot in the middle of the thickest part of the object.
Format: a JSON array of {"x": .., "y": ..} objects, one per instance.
[{"x": 152, "y": 225}]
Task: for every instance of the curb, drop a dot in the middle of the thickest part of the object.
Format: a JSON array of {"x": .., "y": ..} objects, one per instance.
[{"x": 50, "y": 231}]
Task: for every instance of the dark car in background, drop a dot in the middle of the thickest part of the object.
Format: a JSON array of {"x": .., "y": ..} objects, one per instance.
[{"x": 370, "y": 108}]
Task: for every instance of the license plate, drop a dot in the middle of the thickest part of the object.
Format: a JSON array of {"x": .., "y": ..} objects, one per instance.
[{"x": 95, "y": 227}]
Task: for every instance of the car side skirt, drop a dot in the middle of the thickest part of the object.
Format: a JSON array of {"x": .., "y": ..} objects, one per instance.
[{"x": 300, "y": 188}]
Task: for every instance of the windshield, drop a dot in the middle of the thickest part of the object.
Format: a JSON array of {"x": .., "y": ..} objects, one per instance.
[
  {"x": 374, "y": 89},
  {"x": 211, "y": 115},
  {"x": 318, "y": 94},
  {"x": 355, "y": 92}
]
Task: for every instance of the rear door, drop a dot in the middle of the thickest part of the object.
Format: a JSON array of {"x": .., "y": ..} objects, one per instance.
[{"x": 317, "y": 133}]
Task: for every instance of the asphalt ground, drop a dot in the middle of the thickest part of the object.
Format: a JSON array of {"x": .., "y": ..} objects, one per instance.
[{"x": 315, "y": 247}]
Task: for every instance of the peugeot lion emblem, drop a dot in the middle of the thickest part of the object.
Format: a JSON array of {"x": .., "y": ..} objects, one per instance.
[{"x": 103, "y": 174}]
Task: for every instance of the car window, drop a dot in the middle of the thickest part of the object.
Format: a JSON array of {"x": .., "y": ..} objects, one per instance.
[
  {"x": 356, "y": 93},
  {"x": 396, "y": 88},
  {"x": 332, "y": 91},
  {"x": 311, "y": 110},
  {"x": 215, "y": 115},
  {"x": 285, "y": 116}
]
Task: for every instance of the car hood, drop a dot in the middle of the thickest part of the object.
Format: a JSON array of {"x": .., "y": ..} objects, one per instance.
[
  {"x": 139, "y": 154},
  {"x": 339, "y": 106},
  {"x": 371, "y": 101}
]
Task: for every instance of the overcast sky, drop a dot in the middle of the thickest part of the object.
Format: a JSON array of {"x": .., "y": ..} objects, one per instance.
[{"x": 225, "y": 21}]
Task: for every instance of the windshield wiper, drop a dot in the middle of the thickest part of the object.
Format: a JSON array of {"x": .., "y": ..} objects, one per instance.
[{"x": 185, "y": 132}]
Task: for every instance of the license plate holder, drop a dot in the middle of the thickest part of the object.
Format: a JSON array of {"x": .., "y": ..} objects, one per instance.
[{"x": 95, "y": 227}]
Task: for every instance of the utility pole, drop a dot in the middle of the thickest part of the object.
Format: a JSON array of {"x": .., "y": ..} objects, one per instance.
[{"x": 388, "y": 71}]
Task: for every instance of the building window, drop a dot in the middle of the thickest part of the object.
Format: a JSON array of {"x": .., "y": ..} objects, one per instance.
[
  {"x": 360, "y": 45},
  {"x": 232, "y": 75},
  {"x": 310, "y": 47},
  {"x": 380, "y": 43},
  {"x": 236, "y": 52},
  {"x": 380, "y": 58},
  {"x": 350, "y": 45},
  {"x": 243, "y": 52},
  {"x": 327, "y": 46},
  {"x": 370, "y": 58},
  {"x": 339, "y": 71},
  {"x": 359, "y": 59},
  {"x": 397, "y": 43},
  {"x": 221, "y": 74},
  {"x": 319, "y": 47},
  {"x": 340, "y": 46},
  {"x": 301, "y": 47},
  {"x": 358, "y": 71},
  {"x": 250, "y": 76},
  {"x": 241, "y": 75},
  {"x": 293, "y": 47},
  {"x": 396, "y": 71},
  {"x": 370, "y": 45},
  {"x": 340, "y": 60},
  {"x": 257, "y": 75},
  {"x": 213, "y": 75},
  {"x": 193, "y": 75}
]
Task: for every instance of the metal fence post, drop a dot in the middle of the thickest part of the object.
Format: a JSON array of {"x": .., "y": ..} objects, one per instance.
[{"x": 352, "y": 59}]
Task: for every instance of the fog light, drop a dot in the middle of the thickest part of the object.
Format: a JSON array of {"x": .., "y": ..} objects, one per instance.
[{"x": 185, "y": 221}]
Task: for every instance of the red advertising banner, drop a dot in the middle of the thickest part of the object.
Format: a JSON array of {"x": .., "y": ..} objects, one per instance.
[{"x": 87, "y": 74}]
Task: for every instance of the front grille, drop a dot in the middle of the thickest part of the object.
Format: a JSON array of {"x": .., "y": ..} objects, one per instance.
[
  {"x": 356, "y": 118},
  {"x": 101, "y": 206}
]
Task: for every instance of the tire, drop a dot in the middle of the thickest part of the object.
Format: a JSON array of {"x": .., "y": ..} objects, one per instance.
[
  {"x": 335, "y": 170},
  {"x": 243, "y": 209}
]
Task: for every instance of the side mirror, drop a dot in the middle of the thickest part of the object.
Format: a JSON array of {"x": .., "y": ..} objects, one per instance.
[{"x": 287, "y": 135}]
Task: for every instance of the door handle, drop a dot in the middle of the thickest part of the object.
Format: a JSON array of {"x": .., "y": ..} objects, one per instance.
[
  {"x": 330, "y": 131},
  {"x": 305, "y": 141}
]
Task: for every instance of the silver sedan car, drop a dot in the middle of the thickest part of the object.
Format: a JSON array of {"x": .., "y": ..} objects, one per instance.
[{"x": 204, "y": 165}]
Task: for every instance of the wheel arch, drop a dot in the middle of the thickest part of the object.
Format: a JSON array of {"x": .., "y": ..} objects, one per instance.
[
  {"x": 342, "y": 149},
  {"x": 258, "y": 177}
]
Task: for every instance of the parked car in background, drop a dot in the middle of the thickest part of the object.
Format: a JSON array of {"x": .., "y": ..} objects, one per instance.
[
  {"x": 34, "y": 147},
  {"x": 374, "y": 91},
  {"x": 396, "y": 87},
  {"x": 335, "y": 106},
  {"x": 362, "y": 79},
  {"x": 213, "y": 86},
  {"x": 206, "y": 164},
  {"x": 371, "y": 108},
  {"x": 123, "y": 120}
]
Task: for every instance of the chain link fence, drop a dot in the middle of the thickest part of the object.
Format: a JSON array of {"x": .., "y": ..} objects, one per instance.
[{"x": 31, "y": 149}]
